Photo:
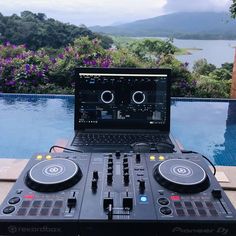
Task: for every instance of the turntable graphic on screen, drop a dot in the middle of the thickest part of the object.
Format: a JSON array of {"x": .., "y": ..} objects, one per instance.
[{"x": 122, "y": 109}]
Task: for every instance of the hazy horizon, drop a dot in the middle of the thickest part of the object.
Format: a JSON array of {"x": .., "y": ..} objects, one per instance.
[{"x": 106, "y": 12}]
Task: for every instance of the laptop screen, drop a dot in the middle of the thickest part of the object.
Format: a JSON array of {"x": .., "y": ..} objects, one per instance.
[{"x": 121, "y": 98}]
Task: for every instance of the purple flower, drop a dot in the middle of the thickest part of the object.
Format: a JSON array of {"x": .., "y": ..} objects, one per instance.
[
  {"x": 90, "y": 62},
  {"x": 40, "y": 74},
  {"x": 53, "y": 60},
  {"x": 106, "y": 63},
  {"x": 27, "y": 68},
  {"x": 10, "y": 83},
  {"x": 61, "y": 56}
]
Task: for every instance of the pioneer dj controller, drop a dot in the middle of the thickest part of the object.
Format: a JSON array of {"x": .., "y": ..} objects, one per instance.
[{"x": 90, "y": 194}]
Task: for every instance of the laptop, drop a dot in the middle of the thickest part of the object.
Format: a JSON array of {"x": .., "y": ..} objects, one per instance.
[{"x": 122, "y": 109}]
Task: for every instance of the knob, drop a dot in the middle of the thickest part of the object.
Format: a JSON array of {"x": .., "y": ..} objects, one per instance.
[
  {"x": 126, "y": 170},
  {"x": 216, "y": 193},
  {"x": 109, "y": 178},
  {"x": 141, "y": 185},
  {"x": 138, "y": 158},
  {"x": 125, "y": 160},
  {"x": 117, "y": 154},
  {"x": 109, "y": 164},
  {"x": 128, "y": 203},
  {"x": 110, "y": 161},
  {"x": 95, "y": 175},
  {"x": 126, "y": 178},
  {"x": 109, "y": 169},
  {"x": 125, "y": 165},
  {"x": 94, "y": 184}
]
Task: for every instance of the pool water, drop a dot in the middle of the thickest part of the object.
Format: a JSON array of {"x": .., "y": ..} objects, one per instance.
[{"x": 30, "y": 124}]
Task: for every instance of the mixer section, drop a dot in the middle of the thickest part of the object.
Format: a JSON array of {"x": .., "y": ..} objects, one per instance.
[{"x": 117, "y": 196}]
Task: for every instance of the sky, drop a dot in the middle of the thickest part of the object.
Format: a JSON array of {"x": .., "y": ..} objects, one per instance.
[{"x": 108, "y": 12}]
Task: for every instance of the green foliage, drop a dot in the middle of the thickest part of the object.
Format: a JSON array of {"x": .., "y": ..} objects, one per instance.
[
  {"x": 221, "y": 74},
  {"x": 202, "y": 67},
  {"x": 50, "y": 70},
  {"x": 233, "y": 9},
  {"x": 152, "y": 49},
  {"x": 37, "y": 31},
  {"x": 210, "y": 88}
]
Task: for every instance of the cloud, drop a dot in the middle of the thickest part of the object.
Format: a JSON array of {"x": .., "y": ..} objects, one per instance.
[
  {"x": 89, "y": 12},
  {"x": 197, "y": 5}
]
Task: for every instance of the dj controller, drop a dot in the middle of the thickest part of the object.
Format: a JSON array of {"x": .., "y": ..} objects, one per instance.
[{"x": 89, "y": 194}]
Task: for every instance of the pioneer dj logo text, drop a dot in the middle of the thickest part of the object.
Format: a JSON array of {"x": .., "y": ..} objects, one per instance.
[
  {"x": 219, "y": 231},
  {"x": 12, "y": 229}
]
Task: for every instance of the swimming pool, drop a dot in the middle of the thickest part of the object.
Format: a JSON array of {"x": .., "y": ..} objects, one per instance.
[{"x": 32, "y": 123}]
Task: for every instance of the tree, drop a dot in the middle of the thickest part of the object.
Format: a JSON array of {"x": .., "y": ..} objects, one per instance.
[
  {"x": 202, "y": 67},
  {"x": 233, "y": 9},
  {"x": 36, "y": 31}
]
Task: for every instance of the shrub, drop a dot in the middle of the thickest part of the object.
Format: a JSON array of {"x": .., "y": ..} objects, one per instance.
[
  {"x": 202, "y": 67},
  {"x": 207, "y": 87}
]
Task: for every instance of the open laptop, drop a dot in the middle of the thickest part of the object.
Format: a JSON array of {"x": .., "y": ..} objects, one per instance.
[{"x": 125, "y": 109}]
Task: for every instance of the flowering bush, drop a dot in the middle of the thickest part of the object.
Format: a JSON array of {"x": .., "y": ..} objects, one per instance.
[
  {"x": 52, "y": 71},
  {"x": 26, "y": 71}
]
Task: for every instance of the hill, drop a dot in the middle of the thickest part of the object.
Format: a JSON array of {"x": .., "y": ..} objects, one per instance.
[
  {"x": 36, "y": 31},
  {"x": 185, "y": 25}
]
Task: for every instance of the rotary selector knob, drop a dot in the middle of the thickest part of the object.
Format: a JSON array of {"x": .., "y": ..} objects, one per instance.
[{"x": 95, "y": 174}]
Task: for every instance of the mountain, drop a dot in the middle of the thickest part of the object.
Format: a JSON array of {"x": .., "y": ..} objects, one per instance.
[
  {"x": 185, "y": 25},
  {"x": 37, "y": 31}
]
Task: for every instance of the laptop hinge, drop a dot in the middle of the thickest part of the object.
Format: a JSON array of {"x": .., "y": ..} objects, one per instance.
[{"x": 121, "y": 131}]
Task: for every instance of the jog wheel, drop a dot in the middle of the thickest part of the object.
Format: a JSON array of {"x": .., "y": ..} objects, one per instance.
[
  {"x": 181, "y": 176},
  {"x": 53, "y": 175}
]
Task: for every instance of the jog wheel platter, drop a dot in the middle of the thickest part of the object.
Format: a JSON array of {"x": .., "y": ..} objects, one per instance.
[
  {"x": 53, "y": 175},
  {"x": 138, "y": 97},
  {"x": 107, "y": 96},
  {"x": 182, "y": 176}
]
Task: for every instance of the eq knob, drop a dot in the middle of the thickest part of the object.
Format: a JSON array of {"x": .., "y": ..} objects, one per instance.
[
  {"x": 109, "y": 178},
  {"x": 126, "y": 170},
  {"x": 95, "y": 174},
  {"x": 126, "y": 164},
  {"x": 110, "y": 170},
  {"x": 126, "y": 179}
]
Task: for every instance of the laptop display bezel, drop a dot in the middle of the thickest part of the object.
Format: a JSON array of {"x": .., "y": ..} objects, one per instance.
[{"x": 160, "y": 127}]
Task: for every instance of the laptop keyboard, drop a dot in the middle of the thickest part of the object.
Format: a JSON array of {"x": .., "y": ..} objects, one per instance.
[{"x": 122, "y": 139}]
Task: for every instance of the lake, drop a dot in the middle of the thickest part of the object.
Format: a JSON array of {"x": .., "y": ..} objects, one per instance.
[{"x": 216, "y": 52}]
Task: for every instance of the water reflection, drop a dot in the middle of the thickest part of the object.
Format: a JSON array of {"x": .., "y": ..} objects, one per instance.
[
  {"x": 206, "y": 127},
  {"x": 226, "y": 154}
]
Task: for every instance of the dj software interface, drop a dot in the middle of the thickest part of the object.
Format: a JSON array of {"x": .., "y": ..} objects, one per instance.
[{"x": 122, "y": 98}]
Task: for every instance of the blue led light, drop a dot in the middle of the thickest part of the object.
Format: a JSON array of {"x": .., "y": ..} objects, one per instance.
[{"x": 143, "y": 199}]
